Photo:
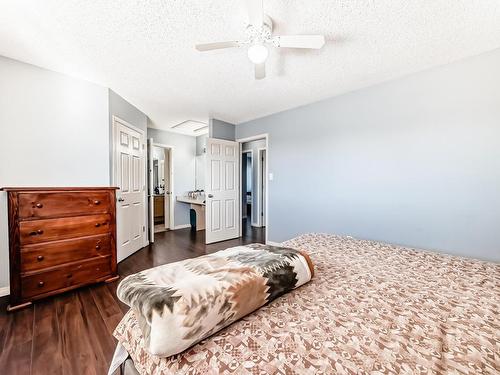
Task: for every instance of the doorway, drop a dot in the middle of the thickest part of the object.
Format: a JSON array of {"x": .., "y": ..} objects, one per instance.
[
  {"x": 160, "y": 187},
  {"x": 246, "y": 184},
  {"x": 254, "y": 190},
  {"x": 261, "y": 184}
]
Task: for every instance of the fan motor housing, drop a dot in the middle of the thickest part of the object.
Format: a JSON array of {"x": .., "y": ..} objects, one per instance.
[{"x": 256, "y": 34}]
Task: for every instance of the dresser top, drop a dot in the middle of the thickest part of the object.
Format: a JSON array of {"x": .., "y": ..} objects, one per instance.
[{"x": 66, "y": 188}]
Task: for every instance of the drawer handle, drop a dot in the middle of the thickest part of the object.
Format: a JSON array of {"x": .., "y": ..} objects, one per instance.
[
  {"x": 96, "y": 202},
  {"x": 99, "y": 224},
  {"x": 97, "y": 247},
  {"x": 41, "y": 284},
  {"x": 39, "y": 205},
  {"x": 69, "y": 275},
  {"x": 37, "y": 232},
  {"x": 39, "y": 258}
]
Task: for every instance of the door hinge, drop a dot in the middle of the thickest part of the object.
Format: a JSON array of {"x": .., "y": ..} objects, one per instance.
[
  {"x": 262, "y": 214},
  {"x": 143, "y": 228}
]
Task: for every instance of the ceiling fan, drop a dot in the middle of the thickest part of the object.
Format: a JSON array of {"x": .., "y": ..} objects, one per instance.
[{"x": 260, "y": 34}]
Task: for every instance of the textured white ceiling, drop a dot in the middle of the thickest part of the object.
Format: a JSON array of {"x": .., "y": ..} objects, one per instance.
[{"x": 144, "y": 50}]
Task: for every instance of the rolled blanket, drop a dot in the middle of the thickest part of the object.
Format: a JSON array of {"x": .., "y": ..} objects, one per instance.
[{"x": 180, "y": 304}]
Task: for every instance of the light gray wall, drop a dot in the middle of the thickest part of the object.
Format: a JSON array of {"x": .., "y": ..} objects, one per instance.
[
  {"x": 221, "y": 130},
  {"x": 184, "y": 153},
  {"x": 254, "y": 147},
  {"x": 124, "y": 110},
  {"x": 415, "y": 161},
  {"x": 54, "y": 132}
]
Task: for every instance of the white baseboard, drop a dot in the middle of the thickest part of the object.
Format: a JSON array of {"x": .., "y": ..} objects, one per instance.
[
  {"x": 5, "y": 291},
  {"x": 272, "y": 243},
  {"x": 183, "y": 226}
]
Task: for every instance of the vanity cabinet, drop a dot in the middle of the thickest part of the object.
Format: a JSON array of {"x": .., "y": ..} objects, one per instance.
[{"x": 159, "y": 209}]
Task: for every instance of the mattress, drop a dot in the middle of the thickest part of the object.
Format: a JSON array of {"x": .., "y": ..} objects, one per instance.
[{"x": 371, "y": 308}]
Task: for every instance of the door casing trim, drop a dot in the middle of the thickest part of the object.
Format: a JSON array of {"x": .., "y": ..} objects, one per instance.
[
  {"x": 254, "y": 138},
  {"x": 172, "y": 177}
]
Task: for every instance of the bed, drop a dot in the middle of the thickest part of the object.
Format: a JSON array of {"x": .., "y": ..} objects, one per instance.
[{"x": 371, "y": 308}]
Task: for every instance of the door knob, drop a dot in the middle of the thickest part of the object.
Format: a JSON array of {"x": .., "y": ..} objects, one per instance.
[
  {"x": 121, "y": 199},
  {"x": 210, "y": 195}
]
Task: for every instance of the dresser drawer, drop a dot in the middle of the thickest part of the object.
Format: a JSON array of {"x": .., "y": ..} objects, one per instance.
[
  {"x": 37, "y": 231},
  {"x": 45, "y": 205},
  {"x": 39, "y": 256},
  {"x": 67, "y": 276}
]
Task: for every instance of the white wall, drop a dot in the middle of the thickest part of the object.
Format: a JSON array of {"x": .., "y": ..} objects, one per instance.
[
  {"x": 414, "y": 161},
  {"x": 184, "y": 156},
  {"x": 54, "y": 132}
]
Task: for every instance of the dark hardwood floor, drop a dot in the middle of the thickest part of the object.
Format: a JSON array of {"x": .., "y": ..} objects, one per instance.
[{"x": 72, "y": 333}]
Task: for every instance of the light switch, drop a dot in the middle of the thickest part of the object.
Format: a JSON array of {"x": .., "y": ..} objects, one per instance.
[{"x": 271, "y": 176}]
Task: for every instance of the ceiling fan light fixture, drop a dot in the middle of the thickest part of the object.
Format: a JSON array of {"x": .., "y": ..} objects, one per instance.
[
  {"x": 259, "y": 36},
  {"x": 258, "y": 53}
]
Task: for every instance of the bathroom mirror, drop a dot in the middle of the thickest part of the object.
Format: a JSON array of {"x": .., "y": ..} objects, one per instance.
[
  {"x": 158, "y": 170},
  {"x": 200, "y": 172}
]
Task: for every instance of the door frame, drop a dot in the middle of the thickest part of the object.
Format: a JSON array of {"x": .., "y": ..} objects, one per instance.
[
  {"x": 261, "y": 171},
  {"x": 255, "y": 138},
  {"x": 171, "y": 180},
  {"x": 114, "y": 136}
]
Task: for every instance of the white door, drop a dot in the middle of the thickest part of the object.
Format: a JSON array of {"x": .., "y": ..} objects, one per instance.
[
  {"x": 151, "y": 218},
  {"x": 222, "y": 190},
  {"x": 129, "y": 177}
]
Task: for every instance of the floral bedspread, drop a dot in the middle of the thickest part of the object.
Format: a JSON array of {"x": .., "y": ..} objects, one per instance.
[{"x": 371, "y": 308}]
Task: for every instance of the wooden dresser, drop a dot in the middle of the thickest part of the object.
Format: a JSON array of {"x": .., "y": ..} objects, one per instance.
[{"x": 59, "y": 239}]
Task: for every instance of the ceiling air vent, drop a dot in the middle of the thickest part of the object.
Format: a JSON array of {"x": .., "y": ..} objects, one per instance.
[{"x": 191, "y": 127}]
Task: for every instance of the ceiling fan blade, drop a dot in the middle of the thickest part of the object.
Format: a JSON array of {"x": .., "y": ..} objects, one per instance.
[
  {"x": 260, "y": 71},
  {"x": 217, "y": 45},
  {"x": 255, "y": 10},
  {"x": 300, "y": 41}
]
